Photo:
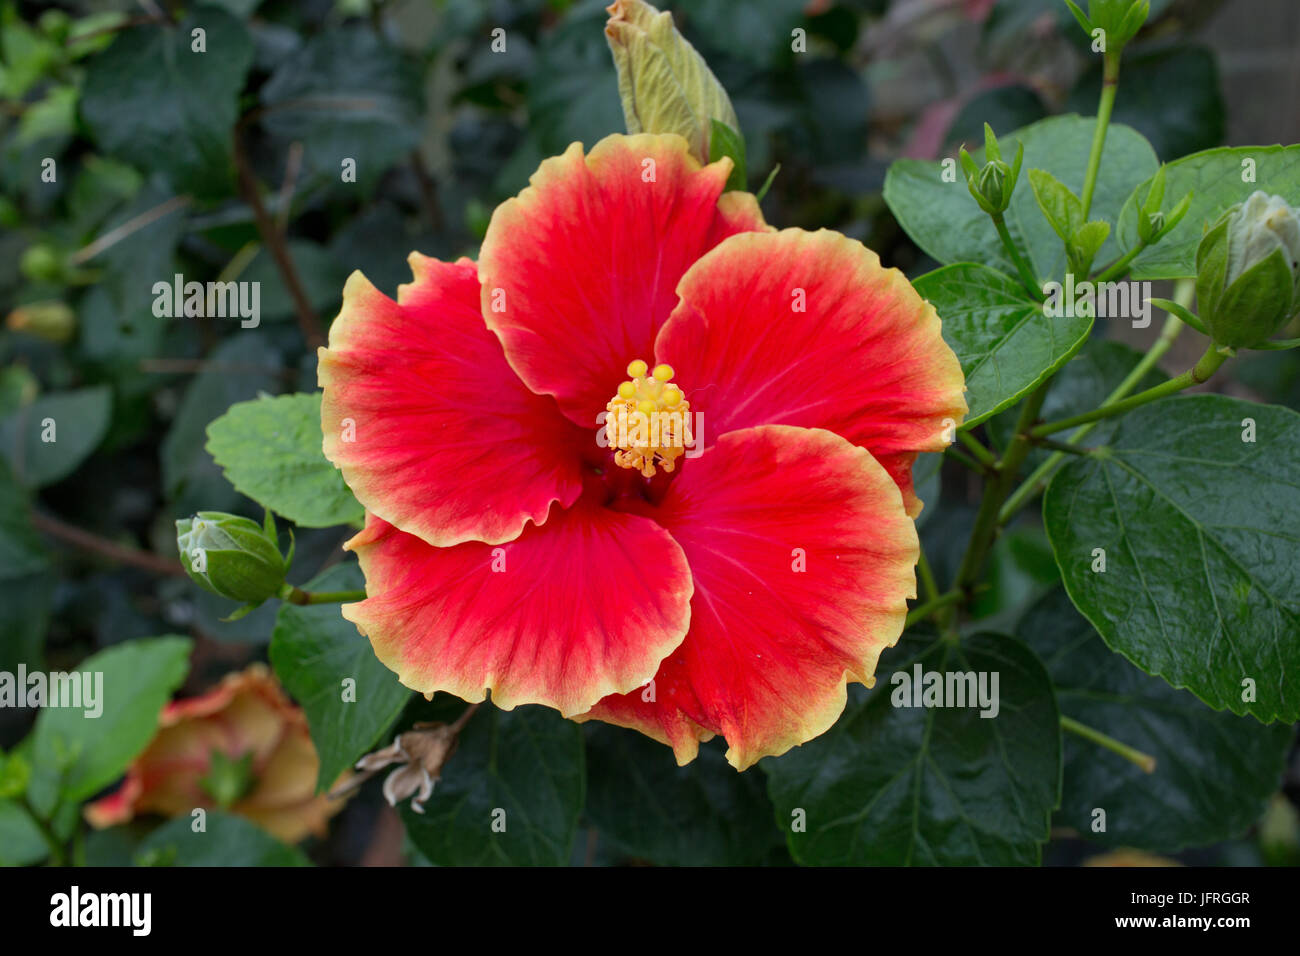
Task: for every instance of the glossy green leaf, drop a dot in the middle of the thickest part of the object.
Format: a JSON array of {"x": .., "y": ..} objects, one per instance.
[
  {"x": 1194, "y": 504},
  {"x": 1005, "y": 341},
  {"x": 1217, "y": 178},
  {"x": 703, "y": 814},
  {"x": 510, "y": 795},
  {"x": 314, "y": 651},
  {"x": 74, "y": 753},
  {"x": 943, "y": 219},
  {"x": 270, "y": 449},
  {"x": 894, "y": 785},
  {"x": 1214, "y": 770}
]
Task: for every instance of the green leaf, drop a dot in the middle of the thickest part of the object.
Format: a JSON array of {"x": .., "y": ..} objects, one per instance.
[
  {"x": 1005, "y": 341},
  {"x": 270, "y": 449},
  {"x": 46, "y": 440},
  {"x": 1218, "y": 178},
  {"x": 725, "y": 141},
  {"x": 154, "y": 101},
  {"x": 21, "y": 843},
  {"x": 345, "y": 94},
  {"x": 703, "y": 814},
  {"x": 75, "y": 754},
  {"x": 1201, "y": 534},
  {"x": 943, "y": 219},
  {"x": 1061, "y": 207},
  {"x": 1214, "y": 771},
  {"x": 226, "y": 841},
  {"x": 894, "y": 785},
  {"x": 314, "y": 650},
  {"x": 520, "y": 771}
]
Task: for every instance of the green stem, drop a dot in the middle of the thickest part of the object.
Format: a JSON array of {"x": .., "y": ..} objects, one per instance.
[
  {"x": 1200, "y": 373},
  {"x": 51, "y": 841},
  {"x": 1134, "y": 756},
  {"x": 1120, "y": 265},
  {"x": 922, "y": 611},
  {"x": 1168, "y": 334},
  {"x": 1026, "y": 273},
  {"x": 995, "y": 492},
  {"x": 1109, "y": 87},
  {"x": 985, "y": 456},
  {"x": 298, "y": 596},
  {"x": 965, "y": 459},
  {"x": 1065, "y": 448},
  {"x": 928, "y": 586}
]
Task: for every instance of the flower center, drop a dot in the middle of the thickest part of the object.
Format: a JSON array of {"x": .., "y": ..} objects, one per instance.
[{"x": 648, "y": 420}]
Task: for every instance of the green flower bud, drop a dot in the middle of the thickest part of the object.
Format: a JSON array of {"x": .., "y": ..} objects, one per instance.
[
  {"x": 1119, "y": 20},
  {"x": 53, "y": 321},
  {"x": 992, "y": 185},
  {"x": 1248, "y": 271},
  {"x": 42, "y": 263},
  {"x": 665, "y": 85},
  {"x": 232, "y": 556}
]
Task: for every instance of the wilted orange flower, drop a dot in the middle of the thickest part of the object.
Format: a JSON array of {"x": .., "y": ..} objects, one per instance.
[{"x": 243, "y": 747}]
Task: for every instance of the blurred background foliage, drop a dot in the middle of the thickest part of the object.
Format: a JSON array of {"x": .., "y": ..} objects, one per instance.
[{"x": 229, "y": 167}]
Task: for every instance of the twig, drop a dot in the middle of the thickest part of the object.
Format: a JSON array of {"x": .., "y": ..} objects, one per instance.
[
  {"x": 114, "y": 236},
  {"x": 274, "y": 240},
  {"x": 122, "y": 554}
]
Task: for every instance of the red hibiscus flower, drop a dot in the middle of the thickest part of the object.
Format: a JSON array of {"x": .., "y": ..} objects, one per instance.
[{"x": 732, "y": 587}]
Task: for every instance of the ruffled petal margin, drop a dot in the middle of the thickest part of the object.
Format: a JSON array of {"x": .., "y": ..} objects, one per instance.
[
  {"x": 431, "y": 428},
  {"x": 807, "y": 328},
  {"x": 578, "y": 271},
  {"x": 802, "y": 557},
  {"x": 584, "y": 606}
]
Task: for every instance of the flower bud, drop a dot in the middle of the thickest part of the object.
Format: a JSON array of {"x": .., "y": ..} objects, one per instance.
[
  {"x": 231, "y": 556},
  {"x": 1119, "y": 20},
  {"x": 53, "y": 321},
  {"x": 1248, "y": 271},
  {"x": 992, "y": 185},
  {"x": 665, "y": 85}
]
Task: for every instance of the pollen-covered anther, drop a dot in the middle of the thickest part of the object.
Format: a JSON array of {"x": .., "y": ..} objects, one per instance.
[{"x": 648, "y": 422}]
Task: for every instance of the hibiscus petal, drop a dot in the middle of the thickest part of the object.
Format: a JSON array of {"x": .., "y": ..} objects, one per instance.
[
  {"x": 431, "y": 428},
  {"x": 578, "y": 271},
  {"x": 802, "y": 558},
  {"x": 864, "y": 358},
  {"x": 584, "y": 606}
]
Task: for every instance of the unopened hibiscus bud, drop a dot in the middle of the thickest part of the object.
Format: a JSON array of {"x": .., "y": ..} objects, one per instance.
[
  {"x": 665, "y": 85},
  {"x": 231, "y": 556},
  {"x": 993, "y": 185},
  {"x": 1119, "y": 20},
  {"x": 1248, "y": 271},
  {"x": 52, "y": 321}
]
